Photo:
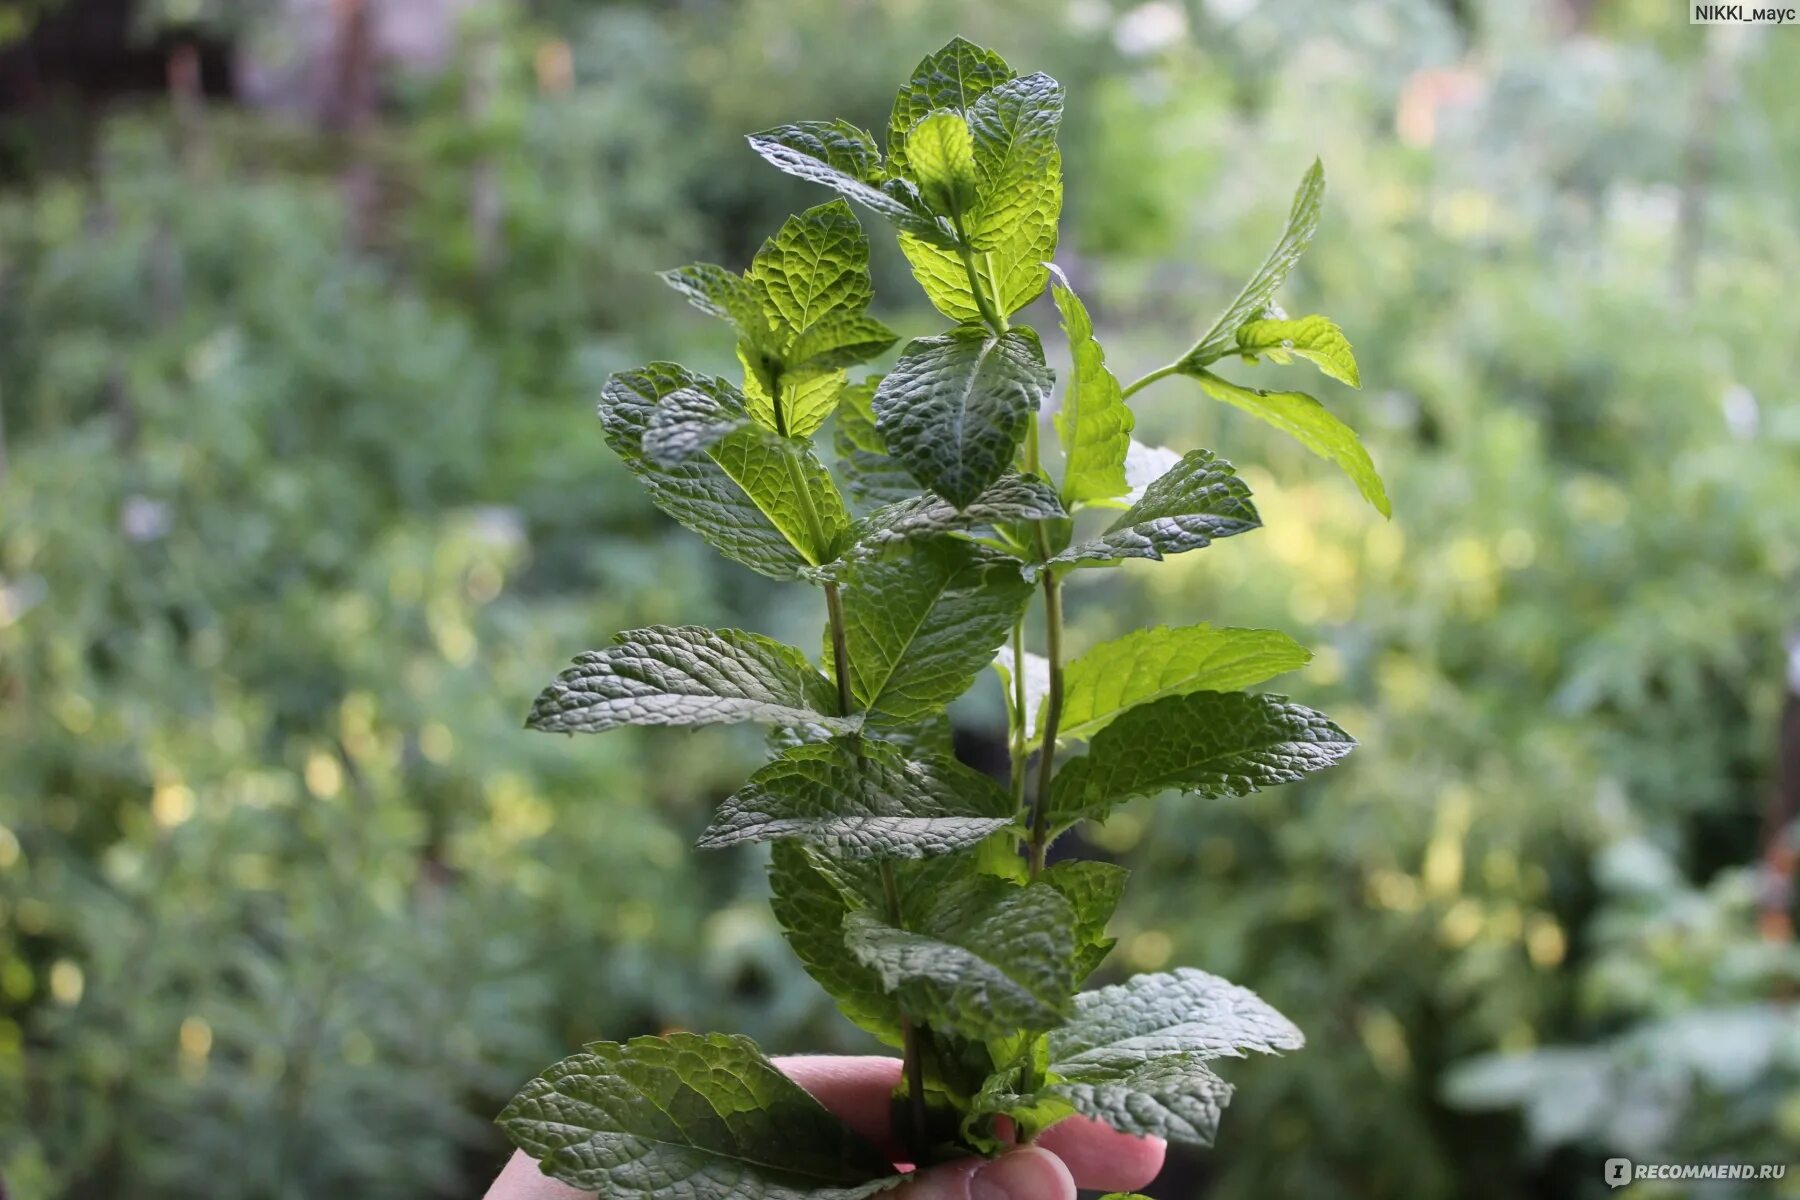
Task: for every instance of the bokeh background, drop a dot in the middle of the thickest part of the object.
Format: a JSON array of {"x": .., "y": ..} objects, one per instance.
[{"x": 303, "y": 308}]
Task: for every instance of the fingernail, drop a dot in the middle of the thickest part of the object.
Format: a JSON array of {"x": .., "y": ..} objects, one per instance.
[{"x": 1024, "y": 1174}]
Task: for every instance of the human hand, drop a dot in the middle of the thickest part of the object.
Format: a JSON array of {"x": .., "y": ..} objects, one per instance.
[{"x": 1071, "y": 1154}]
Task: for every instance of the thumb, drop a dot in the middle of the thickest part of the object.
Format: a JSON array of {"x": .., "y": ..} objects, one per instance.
[{"x": 1028, "y": 1173}]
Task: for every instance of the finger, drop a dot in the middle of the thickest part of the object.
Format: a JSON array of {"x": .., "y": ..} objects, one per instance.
[
  {"x": 521, "y": 1179},
  {"x": 1101, "y": 1157},
  {"x": 1024, "y": 1174},
  {"x": 857, "y": 1090}
]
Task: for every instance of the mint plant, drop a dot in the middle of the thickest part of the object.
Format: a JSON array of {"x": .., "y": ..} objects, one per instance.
[{"x": 917, "y": 891}]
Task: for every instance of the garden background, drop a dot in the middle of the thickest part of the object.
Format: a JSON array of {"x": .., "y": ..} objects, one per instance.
[{"x": 303, "y": 310}]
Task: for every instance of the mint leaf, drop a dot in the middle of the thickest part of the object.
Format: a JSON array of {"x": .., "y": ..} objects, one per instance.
[
  {"x": 1012, "y": 497},
  {"x": 1013, "y": 228},
  {"x": 686, "y": 675},
  {"x": 1094, "y": 424},
  {"x": 987, "y": 959},
  {"x": 1179, "y": 1099},
  {"x": 1149, "y": 664},
  {"x": 811, "y": 905},
  {"x": 953, "y": 78},
  {"x": 921, "y": 620},
  {"x": 942, "y": 159},
  {"x": 955, "y": 407},
  {"x": 757, "y": 498},
  {"x": 844, "y": 158},
  {"x": 1134, "y": 1055},
  {"x": 689, "y": 421},
  {"x": 1210, "y": 744},
  {"x": 1197, "y": 501},
  {"x": 1312, "y": 425},
  {"x": 1093, "y": 890},
  {"x": 1313, "y": 338},
  {"x": 688, "y": 1117},
  {"x": 1259, "y": 293},
  {"x": 815, "y": 267},
  {"x": 861, "y": 798}
]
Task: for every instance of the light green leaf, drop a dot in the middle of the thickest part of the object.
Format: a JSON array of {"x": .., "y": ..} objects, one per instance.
[
  {"x": 1209, "y": 744},
  {"x": 941, "y": 156},
  {"x": 1200, "y": 500},
  {"x": 1312, "y": 425},
  {"x": 861, "y": 798},
  {"x": 1012, "y": 497},
  {"x": 921, "y": 621},
  {"x": 1093, "y": 890},
  {"x": 757, "y": 498},
  {"x": 688, "y": 1117},
  {"x": 1313, "y": 338},
  {"x": 1259, "y": 293},
  {"x": 689, "y": 421},
  {"x": 815, "y": 267},
  {"x": 687, "y": 675},
  {"x": 955, "y": 407},
  {"x": 952, "y": 78},
  {"x": 810, "y": 905},
  {"x": 1149, "y": 664},
  {"x": 844, "y": 158},
  {"x": 1134, "y": 1055},
  {"x": 988, "y": 959},
  {"x": 945, "y": 280},
  {"x": 1013, "y": 228},
  {"x": 863, "y": 461},
  {"x": 1094, "y": 423}
]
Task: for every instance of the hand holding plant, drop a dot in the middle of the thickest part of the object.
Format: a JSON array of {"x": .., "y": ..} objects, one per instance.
[{"x": 915, "y": 890}]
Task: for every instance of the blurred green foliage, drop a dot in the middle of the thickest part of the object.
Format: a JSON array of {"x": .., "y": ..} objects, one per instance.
[{"x": 303, "y": 495}]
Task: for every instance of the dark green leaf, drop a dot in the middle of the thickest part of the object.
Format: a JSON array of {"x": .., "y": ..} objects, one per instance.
[
  {"x": 1149, "y": 664},
  {"x": 1093, "y": 890},
  {"x": 686, "y": 675},
  {"x": 988, "y": 959},
  {"x": 1012, "y": 497},
  {"x": 688, "y": 1117},
  {"x": 922, "y": 619},
  {"x": 862, "y": 798},
  {"x": 955, "y": 407},
  {"x": 1208, "y": 743},
  {"x": 871, "y": 476},
  {"x": 1201, "y": 499},
  {"x": 844, "y": 158},
  {"x": 810, "y": 905}
]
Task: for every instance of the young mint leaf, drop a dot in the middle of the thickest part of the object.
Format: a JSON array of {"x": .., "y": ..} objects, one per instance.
[
  {"x": 1312, "y": 425},
  {"x": 862, "y": 798},
  {"x": 1314, "y": 338},
  {"x": 1093, "y": 890},
  {"x": 757, "y": 498},
  {"x": 814, "y": 268},
  {"x": 953, "y": 78},
  {"x": 942, "y": 160},
  {"x": 1198, "y": 501},
  {"x": 955, "y": 407},
  {"x": 688, "y": 1117},
  {"x": 921, "y": 620},
  {"x": 1012, "y": 497},
  {"x": 1259, "y": 293},
  {"x": 844, "y": 158},
  {"x": 687, "y": 675},
  {"x": 988, "y": 958},
  {"x": 810, "y": 905},
  {"x": 1177, "y": 1098},
  {"x": 1210, "y": 744},
  {"x": 1149, "y": 664},
  {"x": 1134, "y": 1055},
  {"x": 1093, "y": 422}
]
